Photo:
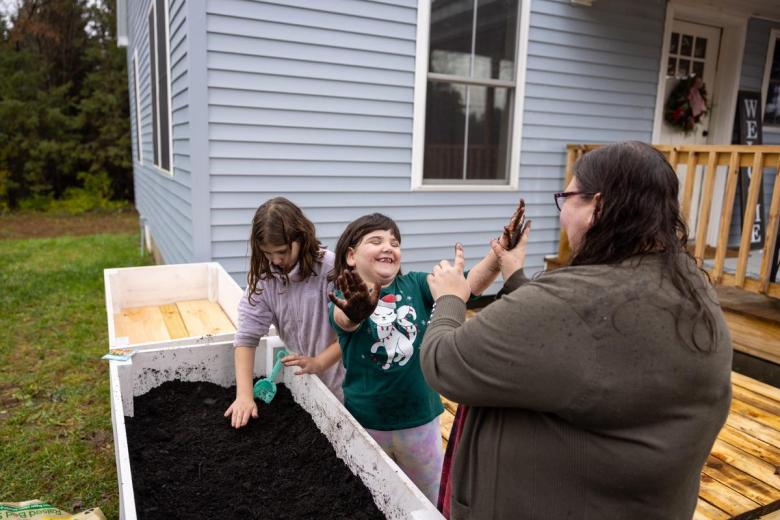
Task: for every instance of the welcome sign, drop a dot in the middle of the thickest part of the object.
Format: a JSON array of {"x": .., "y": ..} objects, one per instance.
[{"x": 747, "y": 130}]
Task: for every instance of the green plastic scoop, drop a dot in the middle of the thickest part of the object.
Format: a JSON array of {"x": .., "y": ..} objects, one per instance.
[{"x": 265, "y": 389}]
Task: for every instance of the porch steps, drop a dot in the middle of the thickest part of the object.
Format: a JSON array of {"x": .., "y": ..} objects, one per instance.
[{"x": 754, "y": 322}]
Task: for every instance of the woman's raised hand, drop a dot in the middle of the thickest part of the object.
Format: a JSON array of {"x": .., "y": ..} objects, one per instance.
[
  {"x": 511, "y": 260},
  {"x": 359, "y": 300},
  {"x": 514, "y": 231},
  {"x": 448, "y": 278}
]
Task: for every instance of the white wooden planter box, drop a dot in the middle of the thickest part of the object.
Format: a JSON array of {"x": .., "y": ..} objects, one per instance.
[
  {"x": 394, "y": 494},
  {"x": 168, "y": 305}
]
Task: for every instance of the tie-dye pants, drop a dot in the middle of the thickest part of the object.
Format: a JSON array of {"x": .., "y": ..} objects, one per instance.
[{"x": 418, "y": 452}]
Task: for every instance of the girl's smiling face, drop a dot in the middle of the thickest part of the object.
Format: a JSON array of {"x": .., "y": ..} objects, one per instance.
[{"x": 376, "y": 258}]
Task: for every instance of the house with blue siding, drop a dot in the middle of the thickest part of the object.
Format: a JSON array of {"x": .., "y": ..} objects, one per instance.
[{"x": 438, "y": 113}]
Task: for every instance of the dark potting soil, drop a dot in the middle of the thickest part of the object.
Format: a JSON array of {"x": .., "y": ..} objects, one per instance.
[{"x": 187, "y": 461}]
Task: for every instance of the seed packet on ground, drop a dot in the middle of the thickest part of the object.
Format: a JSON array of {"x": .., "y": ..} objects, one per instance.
[{"x": 39, "y": 510}]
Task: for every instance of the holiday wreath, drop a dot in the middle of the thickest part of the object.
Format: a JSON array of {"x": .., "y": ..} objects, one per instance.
[{"x": 686, "y": 104}]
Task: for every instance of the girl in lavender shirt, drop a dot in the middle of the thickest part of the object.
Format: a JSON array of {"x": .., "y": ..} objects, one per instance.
[{"x": 287, "y": 287}]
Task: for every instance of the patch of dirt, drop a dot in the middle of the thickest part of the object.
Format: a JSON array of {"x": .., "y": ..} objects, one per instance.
[
  {"x": 187, "y": 461},
  {"x": 99, "y": 439},
  {"x": 47, "y": 225}
]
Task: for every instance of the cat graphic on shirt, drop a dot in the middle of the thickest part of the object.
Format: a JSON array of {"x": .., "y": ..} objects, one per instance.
[{"x": 398, "y": 347}]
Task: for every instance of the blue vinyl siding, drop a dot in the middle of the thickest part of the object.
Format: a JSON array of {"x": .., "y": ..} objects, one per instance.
[
  {"x": 592, "y": 75},
  {"x": 163, "y": 200},
  {"x": 314, "y": 101}
]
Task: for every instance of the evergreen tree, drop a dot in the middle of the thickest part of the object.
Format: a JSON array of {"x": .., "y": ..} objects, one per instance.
[{"x": 64, "y": 116}]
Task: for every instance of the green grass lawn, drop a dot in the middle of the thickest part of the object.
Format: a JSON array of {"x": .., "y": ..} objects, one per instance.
[{"x": 55, "y": 417}]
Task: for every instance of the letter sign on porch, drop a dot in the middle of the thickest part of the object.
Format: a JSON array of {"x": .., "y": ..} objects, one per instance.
[{"x": 747, "y": 130}]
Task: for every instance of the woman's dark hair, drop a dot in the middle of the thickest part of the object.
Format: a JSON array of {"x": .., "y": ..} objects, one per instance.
[
  {"x": 355, "y": 232},
  {"x": 279, "y": 222},
  {"x": 637, "y": 212}
]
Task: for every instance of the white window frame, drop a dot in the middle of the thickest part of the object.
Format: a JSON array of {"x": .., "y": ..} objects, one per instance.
[
  {"x": 774, "y": 36},
  {"x": 420, "y": 99},
  {"x": 137, "y": 94},
  {"x": 156, "y": 86}
]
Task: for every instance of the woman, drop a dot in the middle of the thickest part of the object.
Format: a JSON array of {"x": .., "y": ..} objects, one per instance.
[{"x": 596, "y": 390}]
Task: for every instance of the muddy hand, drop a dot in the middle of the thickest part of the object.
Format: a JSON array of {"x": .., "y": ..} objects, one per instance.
[
  {"x": 359, "y": 301},
  {"x": 513, "y": 232}
]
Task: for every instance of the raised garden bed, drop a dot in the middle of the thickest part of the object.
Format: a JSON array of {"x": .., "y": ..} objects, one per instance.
[{"x": 134, "y": 380}]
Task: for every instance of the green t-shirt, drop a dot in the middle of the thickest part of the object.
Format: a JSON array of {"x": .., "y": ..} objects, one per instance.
[{"x": 384, "y": 388}]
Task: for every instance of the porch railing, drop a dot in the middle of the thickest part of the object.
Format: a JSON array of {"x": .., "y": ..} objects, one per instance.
[{"x": 716, "y": 168}]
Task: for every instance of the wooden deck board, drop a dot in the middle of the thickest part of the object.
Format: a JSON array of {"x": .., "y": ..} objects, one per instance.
[
  {"x": 706, "y": 511},
  {"x": 724, "y": 498},
  {"x": 740, "y": 481},
  {"x": 749, "y": 304},
  {"x": 758, "y": 387}
]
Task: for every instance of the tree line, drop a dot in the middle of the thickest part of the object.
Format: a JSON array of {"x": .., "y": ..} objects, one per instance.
[{"x": 64, "y": 114}]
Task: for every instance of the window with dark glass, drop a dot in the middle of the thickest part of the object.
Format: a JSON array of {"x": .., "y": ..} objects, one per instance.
[
  {"x": 470, "y": 91},
  {"x": 158, "y": 64},
  {"x": 772, "y": 81},
  {"x": 139, "y": 155}
]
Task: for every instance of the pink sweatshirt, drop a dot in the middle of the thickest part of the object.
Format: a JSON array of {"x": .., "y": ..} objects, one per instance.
[{"x": 299, "y": 311}]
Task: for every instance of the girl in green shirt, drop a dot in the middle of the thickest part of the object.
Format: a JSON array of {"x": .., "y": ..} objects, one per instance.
[{"x": 380, "y": 317}]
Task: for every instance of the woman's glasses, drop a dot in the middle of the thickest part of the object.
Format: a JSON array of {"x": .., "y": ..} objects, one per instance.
[{"x": 564, "y": 194}]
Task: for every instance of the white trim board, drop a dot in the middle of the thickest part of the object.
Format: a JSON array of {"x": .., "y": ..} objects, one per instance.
[
  {"x": 732, "y": 45},
  {"x": 420, "y": 95}
]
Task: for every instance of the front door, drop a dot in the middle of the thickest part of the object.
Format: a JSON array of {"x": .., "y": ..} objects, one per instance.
[{"x": 693, "y": 49}]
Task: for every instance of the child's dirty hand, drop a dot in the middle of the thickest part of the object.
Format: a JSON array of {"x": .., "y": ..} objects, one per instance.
[
  {"x": 240, "y": 411},
  {"x": 359, "y": 300},
  {"x": 307, "y": 364},
  {"x": 515, "y": 229}
]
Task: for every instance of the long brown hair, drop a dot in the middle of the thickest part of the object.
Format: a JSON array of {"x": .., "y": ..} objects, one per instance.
[
  {"x": 355, "y": 232},
  {"x": 279, "y": 222},
  {"x": 638, "y": 213}
]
